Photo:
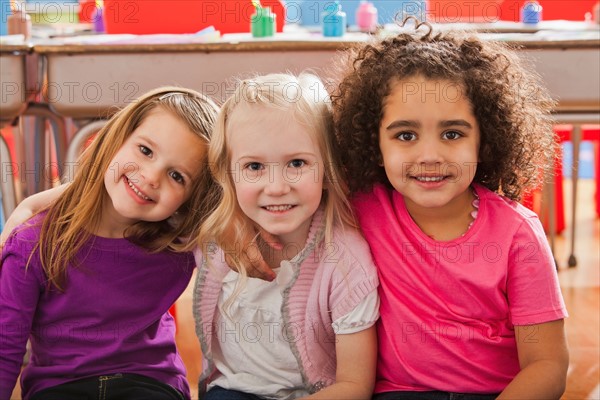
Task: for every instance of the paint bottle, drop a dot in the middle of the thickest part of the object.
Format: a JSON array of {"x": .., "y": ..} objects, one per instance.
[
  {"x": 531, "y": 13},
  {"x": 333, "y": 20},
  {"x": 4, "y": 13},
  {"x": 263, "y": 22},
  {"x": 98, "y": 19},
  {"x": 366, "y": 16}
]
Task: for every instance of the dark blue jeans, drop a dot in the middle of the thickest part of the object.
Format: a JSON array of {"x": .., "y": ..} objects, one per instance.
[
  {"x": 111, "y": 387},
  {"x": 218, "y": 393},
  {"x": 433, "y": 396}
]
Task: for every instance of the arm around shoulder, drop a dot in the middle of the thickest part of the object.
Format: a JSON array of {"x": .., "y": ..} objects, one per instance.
[{"x": 28, "y": 208}]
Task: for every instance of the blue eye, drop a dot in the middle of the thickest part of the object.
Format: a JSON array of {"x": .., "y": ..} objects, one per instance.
[
  {"x": 255, "y": 166},
  {"x": 297, "y": 163},
  {"x": 406, "y": 136}
]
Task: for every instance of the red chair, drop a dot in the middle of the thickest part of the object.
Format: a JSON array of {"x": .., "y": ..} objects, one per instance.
[
  {"x": 9, "y": 174},
  {"x": 173, "y": 312},
  {"x": 591, "y": 132},
  {"x": 564, "y": 135},
  {"x": 584, "y": 131}
]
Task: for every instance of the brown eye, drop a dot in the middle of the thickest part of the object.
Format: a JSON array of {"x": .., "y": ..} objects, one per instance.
[
  {"x": 406, "y": 136},
  {"x": 452, "y": 135},
  {"x": 177, "y": 177}
]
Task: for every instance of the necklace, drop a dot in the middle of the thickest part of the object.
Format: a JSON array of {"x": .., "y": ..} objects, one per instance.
[{"x": 475, "y": 204}]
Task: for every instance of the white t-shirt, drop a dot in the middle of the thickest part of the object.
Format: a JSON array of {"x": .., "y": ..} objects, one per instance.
[{"x": 250, "y": 345}]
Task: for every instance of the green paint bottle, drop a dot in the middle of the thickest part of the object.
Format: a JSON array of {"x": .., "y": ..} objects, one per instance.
[{"x": 262, "y": 23}]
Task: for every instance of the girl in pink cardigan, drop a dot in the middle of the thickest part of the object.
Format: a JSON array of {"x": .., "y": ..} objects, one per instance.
[{"x": 302, "y": 333}]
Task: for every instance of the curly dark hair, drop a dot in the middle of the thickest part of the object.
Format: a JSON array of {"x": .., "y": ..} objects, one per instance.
[{"x": 512, "y": 108}]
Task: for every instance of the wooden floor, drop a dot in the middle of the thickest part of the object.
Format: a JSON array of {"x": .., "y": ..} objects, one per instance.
[
  {"x": 581, "y": 291},
  {"x": 580, "y": 287}
]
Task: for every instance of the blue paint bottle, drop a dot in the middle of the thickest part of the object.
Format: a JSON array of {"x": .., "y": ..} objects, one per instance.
[
  {"x": 333, "y": 20},
  {"x": 531, "y": 13},
  {"x": 4, "y": 13}
]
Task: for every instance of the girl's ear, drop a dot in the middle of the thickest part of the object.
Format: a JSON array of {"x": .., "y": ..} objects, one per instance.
[{"x": 484, "y": 149}]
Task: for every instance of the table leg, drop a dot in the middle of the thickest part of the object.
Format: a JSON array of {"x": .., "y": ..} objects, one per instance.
[
  {"x": 549, "y": 197},
  {"x": 576, "y": 139}
]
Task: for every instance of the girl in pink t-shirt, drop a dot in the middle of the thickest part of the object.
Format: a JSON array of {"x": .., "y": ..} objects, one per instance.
[{"x": 441, "y": 133}]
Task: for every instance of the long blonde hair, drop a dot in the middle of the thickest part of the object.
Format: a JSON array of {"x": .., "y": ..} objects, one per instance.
[
  {"x": 227, "y": 226},
  {"x": 66, "y": 226}
]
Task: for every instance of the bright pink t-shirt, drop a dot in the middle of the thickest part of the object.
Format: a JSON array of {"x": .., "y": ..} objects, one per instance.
[{"x": 448, "y": 309}]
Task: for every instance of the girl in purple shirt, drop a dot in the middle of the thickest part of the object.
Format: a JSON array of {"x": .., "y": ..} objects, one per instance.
[{"x": 89, "y": 280}]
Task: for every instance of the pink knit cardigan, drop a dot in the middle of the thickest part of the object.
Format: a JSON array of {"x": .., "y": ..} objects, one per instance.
[{"x": 329, "y": 281}]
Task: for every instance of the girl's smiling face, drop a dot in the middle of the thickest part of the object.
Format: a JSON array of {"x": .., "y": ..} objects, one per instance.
[
  {"x": 152, "y": 174},
  {"x": 429, "y": 141},
  {"x": 277, "y": 169}
]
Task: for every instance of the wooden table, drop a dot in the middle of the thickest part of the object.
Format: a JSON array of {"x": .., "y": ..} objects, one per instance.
[
  {"x": 13, "y": 87},
  {"x": 90, "y": 80}
]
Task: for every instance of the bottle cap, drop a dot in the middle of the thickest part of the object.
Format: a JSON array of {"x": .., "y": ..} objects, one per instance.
[{"x": 333, "y": 7}]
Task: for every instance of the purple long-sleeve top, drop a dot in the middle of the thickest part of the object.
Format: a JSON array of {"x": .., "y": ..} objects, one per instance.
[{"x": 112, "y": 318}]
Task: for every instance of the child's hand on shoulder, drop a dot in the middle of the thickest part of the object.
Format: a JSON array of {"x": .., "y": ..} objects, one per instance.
[
  {"x": 258, "y": 267},
  {"x": 28, "y": 207},
  {"x": 19, "y": 215}
]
